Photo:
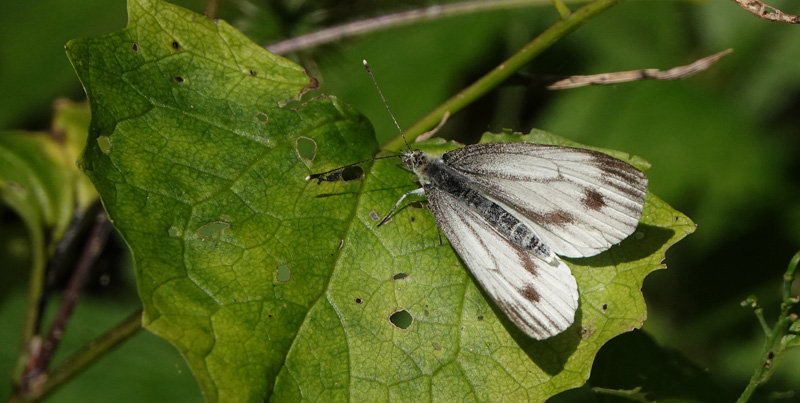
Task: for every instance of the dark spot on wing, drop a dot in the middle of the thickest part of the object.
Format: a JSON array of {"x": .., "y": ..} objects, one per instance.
[
  {"x": 527, "y": 262},
  {"x": 593, "y": 200},
  {"x": 621, "y": 176},
  {"x": 529, "y": 293},
  {"x": 513, "y": 313},
  {"x": 557, "y": 218}
]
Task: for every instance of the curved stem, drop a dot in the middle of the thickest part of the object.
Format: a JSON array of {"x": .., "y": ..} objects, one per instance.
[{"x": 503, "y": 71}]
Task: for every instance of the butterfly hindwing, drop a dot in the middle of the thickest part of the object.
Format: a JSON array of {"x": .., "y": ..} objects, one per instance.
[{"x": 540, "y": 296}]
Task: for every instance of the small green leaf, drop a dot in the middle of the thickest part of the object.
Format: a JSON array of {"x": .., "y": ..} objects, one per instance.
[
  {"x": 277, "y": 288},
  {"x": 39, "y": 179}
]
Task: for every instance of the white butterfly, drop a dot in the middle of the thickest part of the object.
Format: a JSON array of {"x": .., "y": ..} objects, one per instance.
[{"x": 509, "y": 209}]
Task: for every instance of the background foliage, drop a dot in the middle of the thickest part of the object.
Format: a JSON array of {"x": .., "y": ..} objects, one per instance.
[{"x": 722, "y": 144}]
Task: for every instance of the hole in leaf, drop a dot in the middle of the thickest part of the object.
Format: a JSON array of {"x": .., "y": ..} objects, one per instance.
[
  {"x": 359, "y": 301},
  {"x": 105, "y": 144},
  {"x": 282, "y": 273},
  {"x": 352, "y": 173},
  {"x": 176, "y": 45},
  {"x": 373, "y": 215},
  {"x": 401, "y": 319},
  {"x": 480, "y": 318},
  {"x": 173, "y": 232},
  {"x": 178, "y": 79},
  {"x": 306, "y": 148},
  {"x": 412, "y": 218},
  {"x": 262, "y": 118},
  {"x": 605, "y": 306},
  {"x": 399, "y": 276},
  {"x": 212, "y": 229},
  {"x": 253, "y": 73},
  {"x": 135, "y": 47}
]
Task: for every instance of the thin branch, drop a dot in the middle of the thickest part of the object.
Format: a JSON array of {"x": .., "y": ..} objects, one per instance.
[
  {"x": 83, "y": 358},
  {"x": 770, "y": 352},
  {"x": 396, "y": 20},
  {"x": 563, "y": 10},
  {"x": 500, "y": 73},
  {"x": 41, "y": 284},
  {"x": 767, "y": 12},
  {"x": 675, "y": 73},
  {"x": 40, "y": 360},
  {"x": 212, "y": 6},
  {"x": 634, "y": 394}
]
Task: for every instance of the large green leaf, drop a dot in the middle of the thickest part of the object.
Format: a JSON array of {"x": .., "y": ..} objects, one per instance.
[{"x": 273, "y": 287}]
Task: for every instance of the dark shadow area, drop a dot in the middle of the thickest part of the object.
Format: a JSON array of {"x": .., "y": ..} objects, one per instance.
[{"x": 634, "y": 360}]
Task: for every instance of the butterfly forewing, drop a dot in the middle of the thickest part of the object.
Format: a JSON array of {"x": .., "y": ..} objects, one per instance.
[
  {"x": 540, "y": 296},
  {"x": 579, "y": 202}
]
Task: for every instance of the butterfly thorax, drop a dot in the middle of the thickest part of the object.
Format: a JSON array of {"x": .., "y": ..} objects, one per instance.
[{"x": 417, "y": 162}]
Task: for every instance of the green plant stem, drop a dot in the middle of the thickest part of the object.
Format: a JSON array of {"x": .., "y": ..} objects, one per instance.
[
  {"x": 563, "y": 10},
  {"x": 769, "y": 354},
  {"x": 211, "y": 8},
  {"x": 83, "y": 358},
  {"x": 35, "y": 291},
  {"x": 503, "y": 71},
  {"x": 788, "y": 277},
  {"x": 634, "y": 394}
]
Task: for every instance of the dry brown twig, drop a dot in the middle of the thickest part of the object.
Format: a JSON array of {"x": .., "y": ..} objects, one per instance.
[
  {"x": 767, "y": 12},
  {"x": 675, "y": 73}
]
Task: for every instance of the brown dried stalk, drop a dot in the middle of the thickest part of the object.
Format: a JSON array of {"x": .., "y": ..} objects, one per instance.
[{"x": 675, "y": 73}]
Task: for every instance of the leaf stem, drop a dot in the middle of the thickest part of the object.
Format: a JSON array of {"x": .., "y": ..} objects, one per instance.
[
  {"x": 503, "y": 71},
  {"x": 38, "y": 289},
  {"x": 769, "y": 353},
  {"x": 83, "y": 358},
  {"x": 634, "y": 394},
  {"x": 40, "y": 353},
  {"x": 211, "y": 8},
  {"x": 563, "y": 10}
]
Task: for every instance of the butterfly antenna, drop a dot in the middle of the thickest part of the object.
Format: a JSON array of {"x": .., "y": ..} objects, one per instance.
[{"x": 366, "y": 66}]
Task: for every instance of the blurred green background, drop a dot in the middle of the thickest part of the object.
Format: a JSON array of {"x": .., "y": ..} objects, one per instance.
[{"x": 723, "y": 145}]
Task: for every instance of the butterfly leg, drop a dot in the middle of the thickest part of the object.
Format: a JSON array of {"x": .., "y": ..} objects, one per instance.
[{"x": 415, "y": 192}]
